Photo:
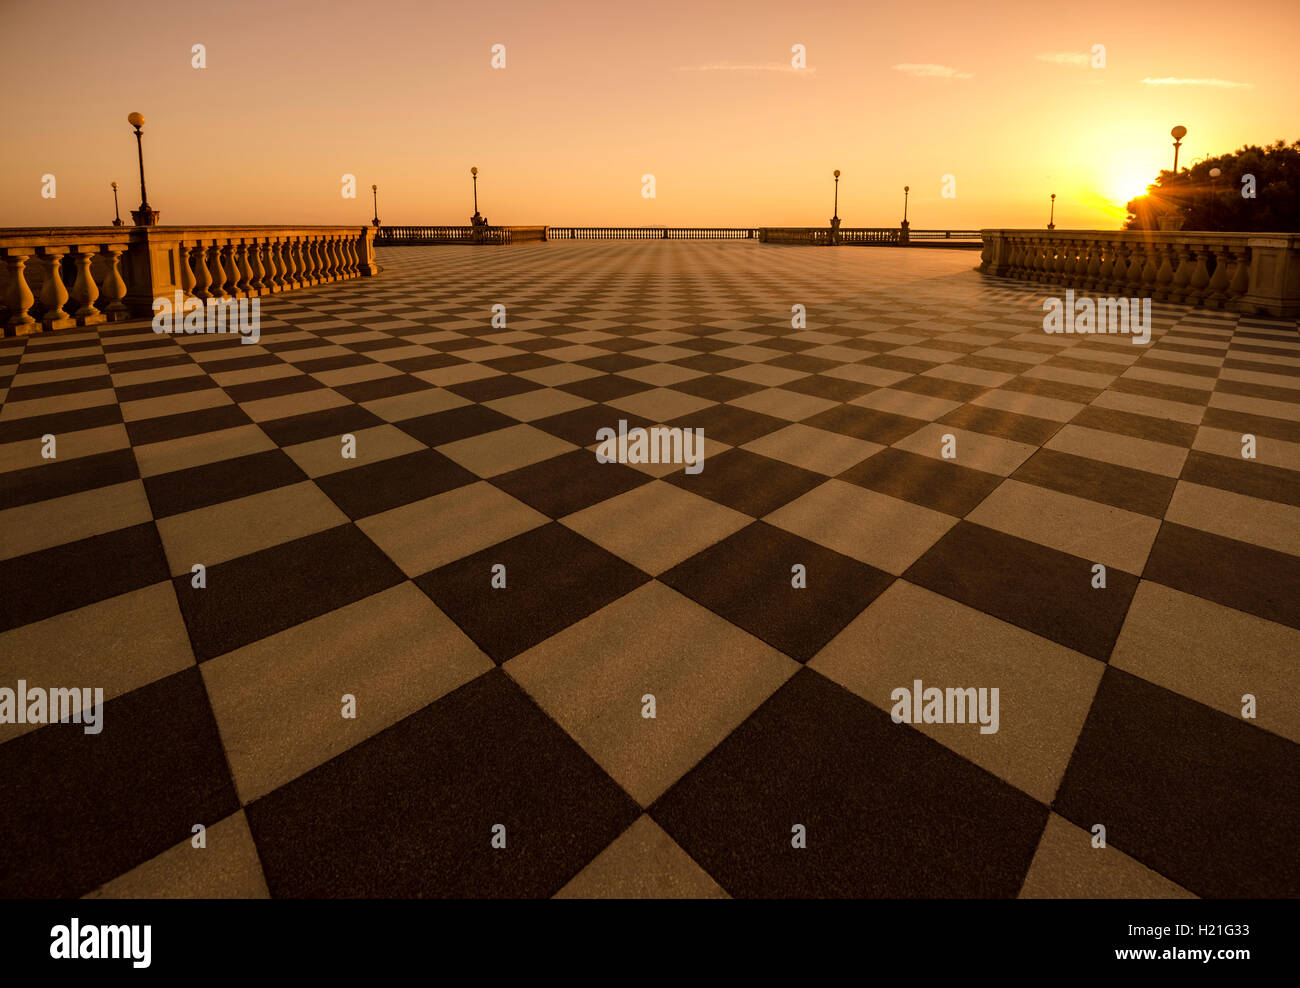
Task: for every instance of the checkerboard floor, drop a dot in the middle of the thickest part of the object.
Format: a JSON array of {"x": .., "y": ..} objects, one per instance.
[{"x": 522, "y": 707}]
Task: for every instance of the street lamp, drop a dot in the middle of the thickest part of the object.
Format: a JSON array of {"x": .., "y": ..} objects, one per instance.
[
  {"x": 144, "y": 216},
  {"x": 474, "y": 171},
  {"x": 1178, "y": 133},
  {"x": 906, "y": 190},
  {"x": 374, "y": 191},
  {"x": 117, "y": 217},
  {"x": 1051, "y": 219},
  {"x": 835, "y": 214},
  {"x": 1214, "y": 191}
]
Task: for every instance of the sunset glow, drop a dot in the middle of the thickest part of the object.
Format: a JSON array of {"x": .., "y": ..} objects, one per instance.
[{"x": 402, "y": 94}]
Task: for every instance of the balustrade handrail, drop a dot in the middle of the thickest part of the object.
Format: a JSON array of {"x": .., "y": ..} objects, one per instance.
[
  {"x": 1245, "y": 272},
  {"x": 118, "y": 272}
]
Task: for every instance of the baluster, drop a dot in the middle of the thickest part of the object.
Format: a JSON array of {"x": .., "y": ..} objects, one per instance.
[
  {"x": 54, "y": 295},
  {"x": 332, "y": 258},
  {"x": 84, "y": 289},
  {"x": 217, "y": 289},
  {"x": 1167, "y": 254},
  {"x": 293, "y": 258},
  {"x": 21, "y": 299},
  {"x": 239, "y": 253},
  {"x": 351, "y": 266},
  {"x": 188, "y": 281},
  {"x": 350, "y": 254},
  {"x": 1105, "y": 267},
  {"x": 274, "y": 277},
  {"x": 112, "y": 289},
  {"x": 1093, "y": 277},
  {"x": 1240, "y": 283},
  {"x": 1150, "y": 270},
  {"x": 311, "y": 263},
  {"x": 1200, "y": 277},
  {"x": 1218, "y": 286},
  {"x": 1067, "y": 263},
  {"x": 1118, "y": 267},
  {"x": 253, "y": 263},
  {"x": 1137, "y": 267},
  {"x": 1180, "y": 283}
]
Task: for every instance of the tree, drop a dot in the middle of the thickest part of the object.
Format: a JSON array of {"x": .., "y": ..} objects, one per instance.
[{"x": 1206, "y": 203}]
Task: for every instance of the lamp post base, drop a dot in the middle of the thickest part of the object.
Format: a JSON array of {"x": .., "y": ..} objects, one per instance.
[{"x": 144, "y": 216}]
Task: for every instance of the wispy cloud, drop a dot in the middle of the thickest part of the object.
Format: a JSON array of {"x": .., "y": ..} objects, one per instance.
[
  {"x": 927, "y": 70},
  {"x": 1065, "y": 58},
  {"x": 1221, "y": 83},
  {"x": 761, "y": 67}
]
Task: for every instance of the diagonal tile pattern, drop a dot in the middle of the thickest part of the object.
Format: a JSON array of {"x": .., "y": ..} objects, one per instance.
[{"x": 468, "y": 659}]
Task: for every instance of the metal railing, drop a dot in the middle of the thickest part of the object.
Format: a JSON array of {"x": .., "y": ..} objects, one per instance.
[
  {"x": 653, "y": 232},
  {"x": 876, "y": 236}
]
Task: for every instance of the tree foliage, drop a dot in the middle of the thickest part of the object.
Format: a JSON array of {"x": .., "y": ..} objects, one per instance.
[{"x": 1208, "y": 203}]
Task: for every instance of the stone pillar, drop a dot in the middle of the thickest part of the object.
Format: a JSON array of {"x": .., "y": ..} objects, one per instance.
[{"x": 54, "y": 295}]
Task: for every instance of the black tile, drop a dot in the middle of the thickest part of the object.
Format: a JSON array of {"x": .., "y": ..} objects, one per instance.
[
  {"x": 382, "y": 387},
  {"x": 42, "y": 584},
  {"x": 1206, "y": 799},
  {"x": 310, "y": 426},
  {"x": 36, "y": 426},
  {"x": 454, "y": 424},
  {"x": 80, "y": 809},
  {"x": 865, "y": 423},
  {"x": 412, "y": 810},
  {"x": 214, "y": 483},
  {"x": 1029, "y": 585},
  {"x": 375, "y": 487},
  {"x": 607, "y": 387},
  {"x": 183, "y": 424},
  {"x": 554, "y": 578},
  {"x": 58, "y": 478},
  {"x": 746, "y": 481},
  {"x": 257, "y": 595},
  {"x": 888, "y": 812},
  {"x": 939, "y": 484},
  {"x": 569, "y": 482},
  {"x": 1248, "y": 577},
  {"x": 747, "y": 579}
]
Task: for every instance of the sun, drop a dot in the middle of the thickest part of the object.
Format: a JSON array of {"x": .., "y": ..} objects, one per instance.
[{"x": 1129, "y": 183}]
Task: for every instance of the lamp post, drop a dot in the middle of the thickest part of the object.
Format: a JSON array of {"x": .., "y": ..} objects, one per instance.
[
  {"x": 474, "y": 171},
  {"x": 903, "y": 236},
  {"x": 835, "y": 213},
  {"x": 145, "y": 215},
  {"x": 117, "y": 217},
  {"x": 1178, "y": 133},
  {"x": 1051, "y": 220},
  {"x": 374, "y": 191},
  {"x": 1214, "y": 191}
]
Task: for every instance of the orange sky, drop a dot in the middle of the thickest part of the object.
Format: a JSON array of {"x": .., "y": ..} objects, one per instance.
[{"x": 596, "y": 94}]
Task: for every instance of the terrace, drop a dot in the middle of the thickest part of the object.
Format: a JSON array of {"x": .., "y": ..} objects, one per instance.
[{"x": 325, "y": 578}]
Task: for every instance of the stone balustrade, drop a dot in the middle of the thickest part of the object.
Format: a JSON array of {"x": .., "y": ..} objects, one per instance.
[
  {"x": 1256, "y": 273},
  {"x": 54, "y": 278}
]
